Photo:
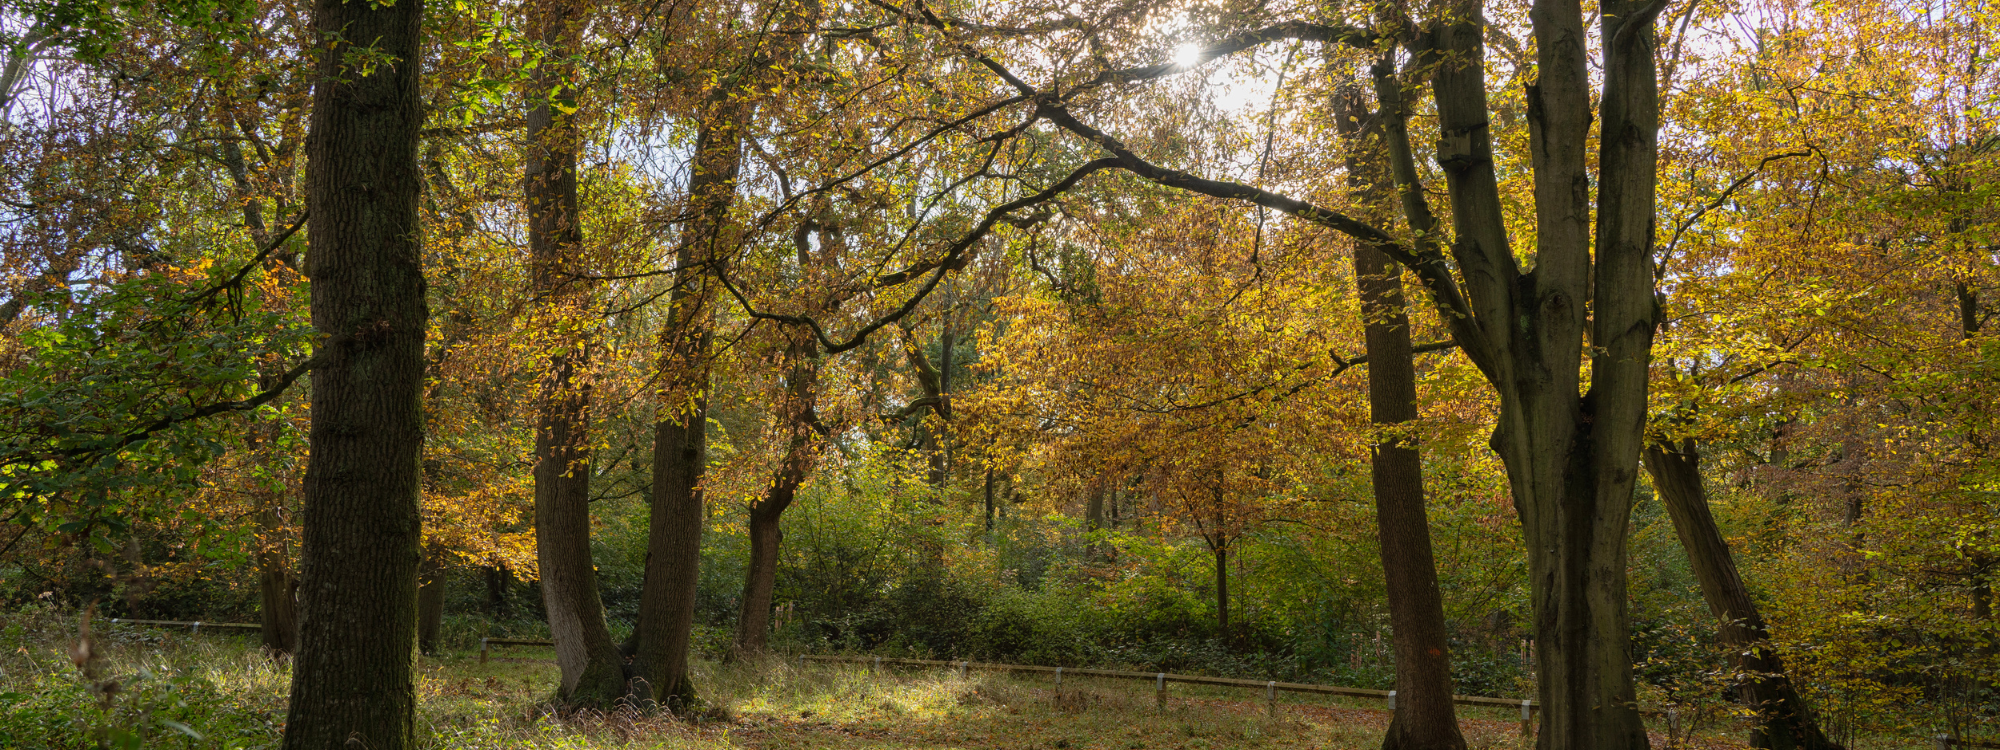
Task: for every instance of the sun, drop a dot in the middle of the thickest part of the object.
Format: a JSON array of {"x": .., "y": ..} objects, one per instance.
[{"x": 1188, "y": 55}]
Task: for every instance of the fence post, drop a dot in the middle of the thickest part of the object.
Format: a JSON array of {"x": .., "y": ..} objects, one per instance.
[
  {"x": 1527, "y": 719},
  {"x": 1271, "y": 698},
  {"x": 482, "y": 650},
  {"x": 1058, "y": 679},
  {"x": 196, "y": 630},
  {"x": 962, "y": 670},
  {"x": 1392, "y": 702},
  {"x": 1160, "y": 690}
]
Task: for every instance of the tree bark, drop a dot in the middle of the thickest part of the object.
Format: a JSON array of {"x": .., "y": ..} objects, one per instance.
[
  {"x": 665, "y": 631},
  {"x": 798, "y": 417},
  {"x": 1425, "y": 716},
  {"x": 353, "y": 680},
  {"x": 1571, "y": 455},
  {"x": 1221, "y": 547},
  {"x": 1784, "y": 721},
  {"x": 592, "y": 670},
  {"x": 277, "y": 587},
  {"x": 430, "y": 601}
]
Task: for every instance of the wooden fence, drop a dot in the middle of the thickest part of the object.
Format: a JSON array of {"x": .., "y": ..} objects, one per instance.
[{"x": 1160, "y": 679}]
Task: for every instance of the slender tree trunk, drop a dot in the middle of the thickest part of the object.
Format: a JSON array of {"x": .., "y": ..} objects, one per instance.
[
  {"x": 430, "y": 601},
  {"x": 1784, "y": 721},
  {"x": 989, "y": 501},
  {"x": 354, "y": 677},
  {"x": 797, "y": 417},
  {"x": 593, "y": 674},
  {"x": 1093, "y": 522},
  {"x": 496, "y": 578},
  {"x": 939, "y": 440},
  {"x": 277, "y": 588},
  {"x": 1425, "y": 716},
  {"x": 1221, "y": 548},
  {"x": 753, "y": 624},
  {"x": 665, "y": 630}
]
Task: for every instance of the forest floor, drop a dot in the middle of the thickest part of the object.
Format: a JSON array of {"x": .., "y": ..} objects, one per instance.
[{"x": 218, "y": 691}]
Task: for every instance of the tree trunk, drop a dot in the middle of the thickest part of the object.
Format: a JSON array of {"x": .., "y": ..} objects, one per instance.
[
  {"x": 940, "y": 440},
  {"x": 1425, "y": 716},
  {"x": 1784, "y": 721},
  {"x": 277, "y": 588},
  {"x": 354, "y": 677},
  {"x": 1093, "y": 523},
  {"x": 430, "y": 601},
  {"x": 665, "y": 630},
  {"x": 1571, "y": 461},
  {"x": 753, "y": 624},
  {"x": 593, "y": 674},
  {"x": 496, "y": 578},
  {"x": 798, "y": 417},
  {"x": 1221, "y": 547}
]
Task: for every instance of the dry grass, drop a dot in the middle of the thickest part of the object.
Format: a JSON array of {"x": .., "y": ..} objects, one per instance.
[{"x": 773, "y": 704}]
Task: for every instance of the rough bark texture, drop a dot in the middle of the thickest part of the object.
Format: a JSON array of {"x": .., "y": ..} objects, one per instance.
[
  {"x": 353, "y": 680},
  {"x": 797, "y": 417},
  {"x": 1571, "y": 459},
  {"x": 680, "y": 437},
  {"x": 593, "y": 674},
  {"x": 1425, "y": 716},
  {"x": 1784, "y": 721},
  {"x": 430, "y": 601}
]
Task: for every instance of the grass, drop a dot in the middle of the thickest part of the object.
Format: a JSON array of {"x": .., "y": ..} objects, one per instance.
[{"x": 181, "y": 691}]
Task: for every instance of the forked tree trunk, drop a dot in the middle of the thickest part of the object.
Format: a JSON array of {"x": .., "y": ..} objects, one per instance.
[
  {"x": 354, "y": 677},
  {"x": 430, "y": 601},
  {"x": 1571, "y": 460},
  {"x": 798, "y": 418},
  {"x": 1425, "y": 716},
  {"x": 593, "y": 674},
  {"x": 1784, "y": 722}
]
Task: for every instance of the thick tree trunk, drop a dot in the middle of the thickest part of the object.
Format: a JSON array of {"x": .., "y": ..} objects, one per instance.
[
  {"x": 430, "y": 601},
  {"x": 1425, "y": 715},
  {"x": 1571, "y": 461},
  {"x": 353, "y": 680},
  {"x": 1784, "y": 721},
  {"x": 798, "y": 417},
  {"x": 593, "y": 674}
]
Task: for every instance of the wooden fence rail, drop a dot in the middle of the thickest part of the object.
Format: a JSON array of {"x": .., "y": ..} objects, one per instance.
[
  {"x": 1160, "y": 680},
  {"x": 193, "y": 627},
  {"x": 485, "y": 643}
]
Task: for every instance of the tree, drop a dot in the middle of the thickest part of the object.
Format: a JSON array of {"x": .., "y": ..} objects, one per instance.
[
  {"x": 354, "y": 676},
  {"x": 592, "y": 671},
  {"x": 1571, "y": 453},
  {"x": 1425, "y": 717}
]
